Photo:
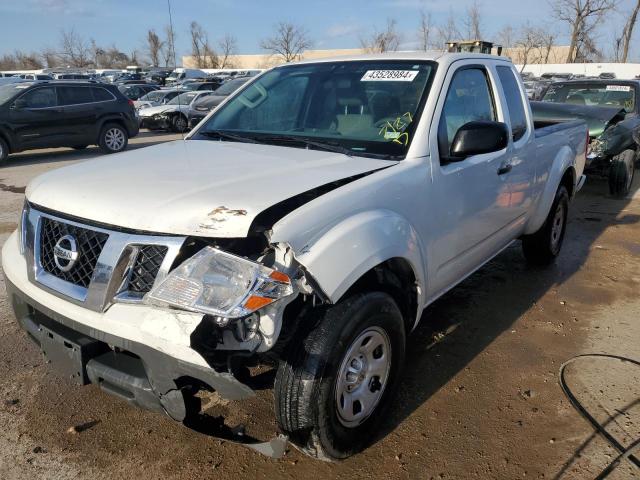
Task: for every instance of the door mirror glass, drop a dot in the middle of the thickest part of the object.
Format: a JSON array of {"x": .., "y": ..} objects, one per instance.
[{"x": 475, "y": 138}]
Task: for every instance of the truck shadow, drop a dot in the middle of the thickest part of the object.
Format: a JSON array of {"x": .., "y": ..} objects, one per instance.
[{"x": 463, "y": 323}]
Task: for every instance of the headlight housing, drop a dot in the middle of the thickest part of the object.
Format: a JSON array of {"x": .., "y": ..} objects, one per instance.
[{"x": 221, "y": 284}]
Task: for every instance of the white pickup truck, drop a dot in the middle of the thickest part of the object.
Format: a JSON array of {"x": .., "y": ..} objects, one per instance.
[{"x": 305, "y": 224}]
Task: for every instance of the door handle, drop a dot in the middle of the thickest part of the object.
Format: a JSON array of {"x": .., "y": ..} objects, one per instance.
[{"x": 505, "y": 169}]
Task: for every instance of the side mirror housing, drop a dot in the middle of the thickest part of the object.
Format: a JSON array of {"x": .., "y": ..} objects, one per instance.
[{"x": 475, "y": 138}]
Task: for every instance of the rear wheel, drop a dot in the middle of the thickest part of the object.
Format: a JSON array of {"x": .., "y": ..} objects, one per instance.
[
  {"x": 542, "y": 247},
  {"x": 4, "y": 151},
  {"x": 113, "y": 138},
  {"x": 621, "y": 173},
  {"x": 333, "y": 386}
]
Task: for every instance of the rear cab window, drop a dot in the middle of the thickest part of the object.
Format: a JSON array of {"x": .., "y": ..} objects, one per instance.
[{"x": 515, "y": 105}]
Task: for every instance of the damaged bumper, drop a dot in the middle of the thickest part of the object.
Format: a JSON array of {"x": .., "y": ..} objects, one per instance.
[
  {"x": 135, "y": 372},
  {"x": 156, "y": 122}
]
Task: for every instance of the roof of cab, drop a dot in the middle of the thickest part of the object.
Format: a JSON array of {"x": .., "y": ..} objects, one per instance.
[{"x": 436, "y": 56}]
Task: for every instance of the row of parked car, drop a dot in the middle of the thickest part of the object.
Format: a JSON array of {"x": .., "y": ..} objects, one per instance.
[{"x": 70, "y": 113}]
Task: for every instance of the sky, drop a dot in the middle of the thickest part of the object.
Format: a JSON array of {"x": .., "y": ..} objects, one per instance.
[{"x": 33, "y": 25}]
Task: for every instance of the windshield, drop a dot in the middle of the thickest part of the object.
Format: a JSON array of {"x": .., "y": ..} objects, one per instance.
[
  {"x": 231, "y": 86},
  {"x": 599, "y": 94},
  {"x": 10, "y": 90},
  {"x": 184, "y": 98},
  {"x": 365, "y": 108}
]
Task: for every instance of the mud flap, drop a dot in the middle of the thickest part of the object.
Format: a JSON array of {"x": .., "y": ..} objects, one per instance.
[{"x": 215, "y": 427}]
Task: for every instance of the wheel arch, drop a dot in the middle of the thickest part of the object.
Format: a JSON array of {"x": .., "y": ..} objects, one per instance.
[
  {"x": 563, "y": 172},
  {"x": 378, "y": 249}
]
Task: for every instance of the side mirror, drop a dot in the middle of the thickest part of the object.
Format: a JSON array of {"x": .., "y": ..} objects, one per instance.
[
  {"x": 19, "y": 104},
  {"x": 475, "y": 138}
]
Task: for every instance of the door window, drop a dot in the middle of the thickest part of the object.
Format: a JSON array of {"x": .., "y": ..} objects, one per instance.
[
  {"x": 43, "y": 97},
  {"x": 514, "y": 102},
  {"x": 74, "y": 95},
  {"x": 469, "y": 99}
]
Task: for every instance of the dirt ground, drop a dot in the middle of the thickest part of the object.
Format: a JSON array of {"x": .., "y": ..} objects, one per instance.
[{"x": 480, "y": 398}]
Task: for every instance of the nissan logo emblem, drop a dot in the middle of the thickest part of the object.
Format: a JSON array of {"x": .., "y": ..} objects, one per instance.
[{"x": 65, "y": 253}]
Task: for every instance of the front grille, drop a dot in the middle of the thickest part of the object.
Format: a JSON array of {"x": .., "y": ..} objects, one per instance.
[
  {"x": 89, "y": 244},
  {"x": 146, "y": 267}
]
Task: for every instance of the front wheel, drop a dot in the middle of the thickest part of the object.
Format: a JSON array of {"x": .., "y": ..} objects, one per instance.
[
  {"x": 180, "y": 124},
  {"x": 113, "y": 138},
  {"x": 621, "y": 173},
  {"x": 542, "y": 247},
  {"x": 335, "y": 383},
  {"x": 4, "y": 151}
]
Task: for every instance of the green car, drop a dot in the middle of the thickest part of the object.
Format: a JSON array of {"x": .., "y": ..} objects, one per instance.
[{"x": 612, "y": 112}]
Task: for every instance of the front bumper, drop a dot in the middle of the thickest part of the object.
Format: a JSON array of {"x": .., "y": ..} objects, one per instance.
[
  {"x": 155, "y": 122},
  {"x": 139, "y": 353}
]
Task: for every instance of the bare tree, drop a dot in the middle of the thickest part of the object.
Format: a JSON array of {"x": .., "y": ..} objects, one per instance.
[
  {"x": 425, "y": 31},
  {"x": 529, "y": 44},
  {"x": 628, "y": 31},
  {"x": 547, "y": 40},
  {"x": 20, "y": 60},
  {"x": 50, "y": 58},
  {"x": 288, "y": 42},
  {"x": 582, "y": 16},
  {"x": 168, "y": 50},
  {"x": 387, "y": 40},
  {"x": 506, "y": 36},
  {"x": 201, "y": 49},
  {"x": 75, "y": 51},
  {"x": 154, "y": 47},
  {"x": 472, "y": 22},
  {"x": 449, "y": 31},
  {"x": 228, "y": 46}
]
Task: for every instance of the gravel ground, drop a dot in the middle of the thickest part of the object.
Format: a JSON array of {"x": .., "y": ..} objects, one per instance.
[{"x": 480, "y": 398}]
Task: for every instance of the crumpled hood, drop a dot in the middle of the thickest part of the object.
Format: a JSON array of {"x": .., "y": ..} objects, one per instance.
[
  {"x": 193, "y": 187},
  {"x": 150, "y": 111}
]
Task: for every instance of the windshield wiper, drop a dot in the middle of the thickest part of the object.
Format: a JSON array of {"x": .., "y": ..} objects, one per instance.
[
  {"x": 330, "y": 147},
  {"x": 229, "y": 136}
]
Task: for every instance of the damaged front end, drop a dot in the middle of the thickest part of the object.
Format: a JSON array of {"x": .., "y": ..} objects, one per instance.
[{"x": 616, "y": 138}]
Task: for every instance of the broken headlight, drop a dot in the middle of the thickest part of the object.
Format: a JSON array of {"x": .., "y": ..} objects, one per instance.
[{"x": 218, "y": 283}]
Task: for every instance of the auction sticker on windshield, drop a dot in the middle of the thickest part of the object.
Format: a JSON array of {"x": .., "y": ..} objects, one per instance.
[
  {"x": 618, "y": 88},
  {"x": 389, "y": 76}
]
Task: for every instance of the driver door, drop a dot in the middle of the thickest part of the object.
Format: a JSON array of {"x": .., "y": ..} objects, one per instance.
[
  {"x": 37, "y": 118},
  {"x": 468, "y": 201}
]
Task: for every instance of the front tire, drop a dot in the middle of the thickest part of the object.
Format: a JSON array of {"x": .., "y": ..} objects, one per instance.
[
  {"x": 621, "y": 173},
  {"x": 113, "y": 138},
  {"x": 335, "y": 383},
  {"x": 542, "y": 247},
  {"x": 180, "y": 124}
]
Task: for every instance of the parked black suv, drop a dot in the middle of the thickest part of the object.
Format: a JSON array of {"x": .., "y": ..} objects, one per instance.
[{"x": 64, "y": 114}]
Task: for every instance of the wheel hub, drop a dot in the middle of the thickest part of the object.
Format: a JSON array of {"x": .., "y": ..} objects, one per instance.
[{"x": 362, "y": 376}]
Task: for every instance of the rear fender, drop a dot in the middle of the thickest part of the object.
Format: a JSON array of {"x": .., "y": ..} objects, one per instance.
[{"x": 564, "y": 160}]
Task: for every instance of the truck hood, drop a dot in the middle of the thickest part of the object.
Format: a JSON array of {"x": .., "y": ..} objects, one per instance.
[
  {"x": 598, "y": 118},
  {"x": 194, "y": 187}
]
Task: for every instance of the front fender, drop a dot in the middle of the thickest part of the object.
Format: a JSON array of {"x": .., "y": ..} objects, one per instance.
[
  {"x": 565, "y": 159},
  {"x": 345, "y": 252}
]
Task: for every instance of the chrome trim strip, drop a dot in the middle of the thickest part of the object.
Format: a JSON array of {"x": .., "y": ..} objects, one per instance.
[{"x": 113, "y": 269}]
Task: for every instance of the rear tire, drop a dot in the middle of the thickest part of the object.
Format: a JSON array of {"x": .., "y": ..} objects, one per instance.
[
  {"x": 335, "y": 382},
  {"x": 113, "y": 138},
  {"x": 4, "y": 151},
  {"x": 543, "y": 246},
  {"x": 621, "y": 173}
]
